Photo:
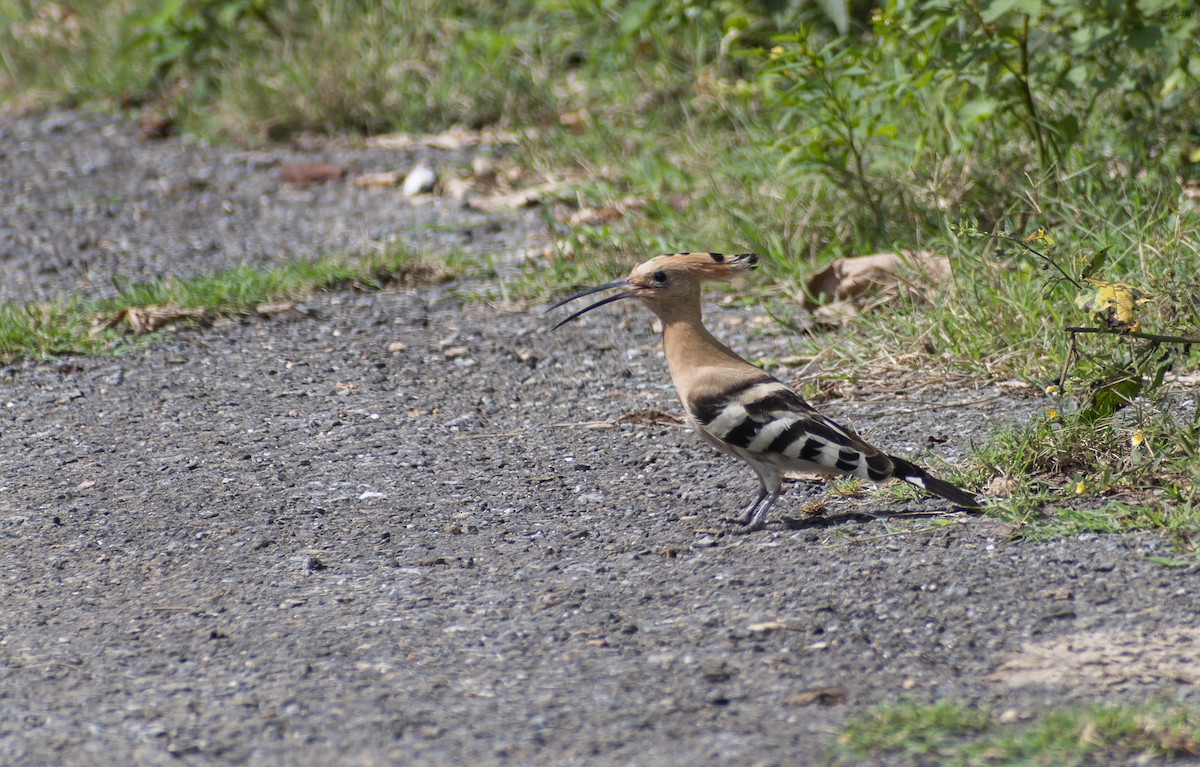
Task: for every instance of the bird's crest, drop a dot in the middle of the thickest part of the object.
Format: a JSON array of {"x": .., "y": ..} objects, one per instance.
[{"x": 705, "y": 266}]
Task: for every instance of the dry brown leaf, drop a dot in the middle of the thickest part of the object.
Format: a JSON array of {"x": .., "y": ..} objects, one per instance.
[
  {"x": 453, "y": 138},
  {"x": 152, "y": 127},
  {"x": 305, "y": 174},
  {"x": 1001, "y": 486},
  {"x": 837, "y": 314},
  {"x": 825, "y": 696},
  {"x": 147, "y": 319},
  {"x": 522, "y": 198},
  {"x": 379, "y": 180},
  {"x": 285, "y": 311},
  {"x": 849, "y": 279},
  {"x": 607, "y": 213},
  {"x": 458, "y": 188}
]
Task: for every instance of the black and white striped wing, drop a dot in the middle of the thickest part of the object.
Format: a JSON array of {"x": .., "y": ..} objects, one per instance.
[{"x": 770, "y": 422}]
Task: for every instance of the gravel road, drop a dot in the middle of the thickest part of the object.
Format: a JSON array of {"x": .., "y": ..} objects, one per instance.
[{"x": 414, "y": 529}]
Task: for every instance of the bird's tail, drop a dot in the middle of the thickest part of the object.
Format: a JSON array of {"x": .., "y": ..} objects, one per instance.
[{"x": 918, "y": 477}]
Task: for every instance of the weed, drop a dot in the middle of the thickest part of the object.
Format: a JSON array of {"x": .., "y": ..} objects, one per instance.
[
  {"x": 954, "y": 733},
  {"x": 49, "y": 329}
]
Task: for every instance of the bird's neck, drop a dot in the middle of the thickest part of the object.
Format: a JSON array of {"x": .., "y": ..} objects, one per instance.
[{"x": 689, "y": 346}]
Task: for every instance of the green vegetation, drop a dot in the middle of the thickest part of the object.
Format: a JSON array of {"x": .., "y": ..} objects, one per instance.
[
  {"x": 1049, "y": 148},
  {"x": 956, "y": 734},
  {"x": 101, "y": 326}
]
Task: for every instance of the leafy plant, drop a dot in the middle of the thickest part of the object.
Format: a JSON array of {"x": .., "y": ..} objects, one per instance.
[
  {"x": 958, "y": 79},
  {"x": 195, "y": 35}
]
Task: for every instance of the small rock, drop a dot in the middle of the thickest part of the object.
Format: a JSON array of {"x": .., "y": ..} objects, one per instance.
[
  {"x": 765, "y": 627},
  {"x": 395, "y": 347},
  {"x": 455, "y": 352},
  {"x": 420, "y": 180}
]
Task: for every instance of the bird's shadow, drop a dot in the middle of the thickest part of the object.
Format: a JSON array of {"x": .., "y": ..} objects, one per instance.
[{"x": 838, "y": 519}]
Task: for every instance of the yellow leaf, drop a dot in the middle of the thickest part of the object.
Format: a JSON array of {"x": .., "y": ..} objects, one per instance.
[{"x": 1115, "y": 303}]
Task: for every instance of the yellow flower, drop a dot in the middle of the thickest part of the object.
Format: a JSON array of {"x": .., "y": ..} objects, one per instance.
[
  {"x": 1137, "y": 439},
  {"x": 1080, "y": 487},
  {"x": 1051, "y": 414},
  {"x": 777, "y": 51}
]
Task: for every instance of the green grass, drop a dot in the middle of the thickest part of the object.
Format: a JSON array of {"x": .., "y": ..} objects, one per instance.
[
  {"x": 83, "y": 327},
  {"x": 956, "y": 734}
]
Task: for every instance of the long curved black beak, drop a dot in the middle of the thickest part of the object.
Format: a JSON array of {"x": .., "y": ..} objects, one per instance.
[{"x": 602, "y": 302}]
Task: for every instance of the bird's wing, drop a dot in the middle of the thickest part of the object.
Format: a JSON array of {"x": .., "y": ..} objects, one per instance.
[{"x": 769, "y": 421}]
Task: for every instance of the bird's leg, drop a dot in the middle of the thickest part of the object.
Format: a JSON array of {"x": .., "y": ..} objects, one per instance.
[
  {"x": 748, "y": 512},
  {"x": 758, "y": 520}
]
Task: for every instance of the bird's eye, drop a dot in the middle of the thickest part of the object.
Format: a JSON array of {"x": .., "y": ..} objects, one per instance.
[{"x": 660, "y": 276}]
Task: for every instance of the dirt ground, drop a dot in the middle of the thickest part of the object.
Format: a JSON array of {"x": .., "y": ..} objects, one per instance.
[{"x": 414, "y": 529}]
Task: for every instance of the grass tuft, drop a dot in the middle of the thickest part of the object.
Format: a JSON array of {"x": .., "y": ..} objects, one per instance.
[
  {"x": 45, "y": 330},
  {"x": 954, "y": 733}
]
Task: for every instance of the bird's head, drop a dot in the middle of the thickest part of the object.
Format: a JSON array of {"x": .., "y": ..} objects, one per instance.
[{"x": 667, "y": 281}]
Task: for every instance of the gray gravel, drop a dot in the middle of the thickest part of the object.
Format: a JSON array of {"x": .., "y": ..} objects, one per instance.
[{"x": 281, "y": 543}]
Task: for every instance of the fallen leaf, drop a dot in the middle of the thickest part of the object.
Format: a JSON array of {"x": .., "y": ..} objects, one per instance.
[
  {"x": 456, "y": 137},
  {"x": 147, "y": 319},
  {"x": 1114, "y": 303},
  {"x": 606, "y": 213},
  {"x": 522, "y": 198},
  {"x": 849, "y": 279},
  {"x": 379, "y": 180},
  {"x": 305, "y": 174},
  {"x": 154, "y": 127},
  {"x": 457, "y": 188},
  {"x": 837, "y": 314},
  {"x": 1001, "y": 487},
  {"x": 286, "y": 311},
  {"x": 824, "y": 696}
]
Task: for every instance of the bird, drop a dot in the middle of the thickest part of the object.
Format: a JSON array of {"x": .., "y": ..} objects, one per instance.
[{"x": 737, "y": 407}]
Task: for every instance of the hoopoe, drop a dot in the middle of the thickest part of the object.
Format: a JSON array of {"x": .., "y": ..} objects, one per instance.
[{"x": 737, "y": 407}]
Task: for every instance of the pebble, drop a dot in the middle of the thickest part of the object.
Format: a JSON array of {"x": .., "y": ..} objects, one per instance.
[{"x": 420, "y": 180}]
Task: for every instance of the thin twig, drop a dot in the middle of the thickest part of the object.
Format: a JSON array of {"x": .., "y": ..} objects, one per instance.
[{"x": 1137, "y": 334}]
